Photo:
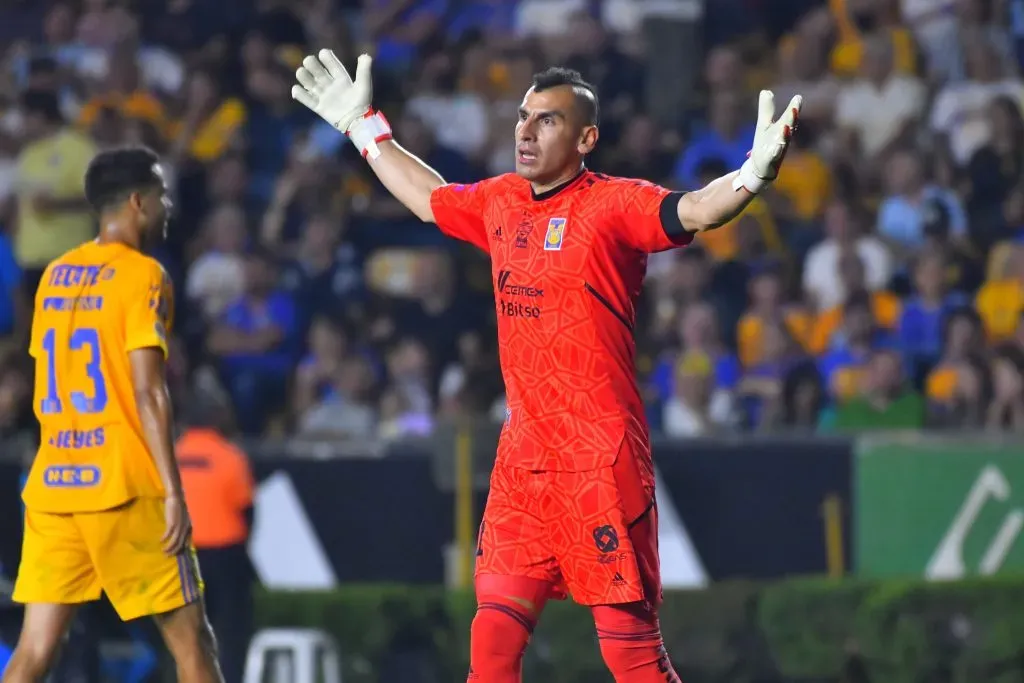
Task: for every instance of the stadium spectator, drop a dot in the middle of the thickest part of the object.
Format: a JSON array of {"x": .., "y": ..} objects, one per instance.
[
  {"x": 53, "y": 215},
  {"x": 345, "y": 409},
  {"x": 828, "y": 326},
  {"x": 699, "y": 333},
  {"x": 805, "y": 182},
  {"x": 881, "y": 107},
  {"x": 925, "y": 313},
  {"x": 212, "y": 124},
  {"x": 1006, "y": 411},
  {"x": 697, "y": 407},
  {"x": 217, "y": 277},
  {"x": 314, "y": 377},
  {"x": 420, "y": 139},
  {"x": 822, "y": 282},
  {"x": 803, "y": 400},
  {"x": 10, "y": 290},
  {"x": 995, "y": 170},
  {"x": 801, "y": 70},
  {"x": 274, "y": 127},
  {"x": 760, "y": 391},
  {"x": 724, "y": 70},
  {"x": 960, "y": 110},
  {"x": 962, "y": 341},
  {"x": 1000, "y": 301},
  {"x": 458, "y": 118},
  {"x": 325, "y": 276},
  {"x": 909, "y": 197},
  {"x": 401, "y": 27},
  {"x": 750, "y": 236},
  {"x": 494, "y": 20},
  {"x": 885, "y": 400},
  {"x": 858, "y": 22},
  {"x": 842, "y": 366},
  {"x": 934, "y": 27},
  {"x": 642, "y": 151},
  {"x": 254, "y": 342},
  {"x": 725, "y": 140},
  {"x": 767, "y": 308},
  {"x": 439, "y": 310},
  {"x": 15, "y": 396},
  {"x": 616, "y": 75},
  {"x": 120, "y": 87}
]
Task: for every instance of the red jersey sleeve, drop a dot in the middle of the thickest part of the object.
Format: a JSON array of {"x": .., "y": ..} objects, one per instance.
[
  {"x": 647, "y": 217},
  {"x": 459, "y": 212}
]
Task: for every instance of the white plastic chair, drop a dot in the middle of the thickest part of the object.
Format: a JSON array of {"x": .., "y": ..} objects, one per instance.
[{"x": 296, "y": 654}]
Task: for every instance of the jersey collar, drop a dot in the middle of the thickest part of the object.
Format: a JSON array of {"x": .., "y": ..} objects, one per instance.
[{"x": 558, "y": 189}]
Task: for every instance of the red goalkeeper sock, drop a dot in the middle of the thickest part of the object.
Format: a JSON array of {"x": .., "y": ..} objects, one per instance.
[
  {"x": 506, "y": 613},
  {"x": 498, "y": 637},
  {"x": 631, "y": 644}
]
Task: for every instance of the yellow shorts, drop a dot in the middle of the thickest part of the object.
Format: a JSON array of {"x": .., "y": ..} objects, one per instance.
[{"x": 71, "y": 558}]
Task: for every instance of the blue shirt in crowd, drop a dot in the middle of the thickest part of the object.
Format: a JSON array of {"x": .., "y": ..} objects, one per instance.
[
  {"x": 10, "y": 278},
  {"x": 279, "y": 311},
  {"x": 903, "y": 221},
  {"x": 920, "y": 326},
  {"x": 707, "y": 146}
]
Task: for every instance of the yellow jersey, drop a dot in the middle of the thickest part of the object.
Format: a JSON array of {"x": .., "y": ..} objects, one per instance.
[
  {"x": 95, "y": 305},
  {"x": 55, "y": 165}
]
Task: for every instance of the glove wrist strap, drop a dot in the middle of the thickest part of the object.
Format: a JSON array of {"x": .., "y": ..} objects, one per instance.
[
  {"x": 748, "y": 179},
  {"x": 368, "y": 131}
]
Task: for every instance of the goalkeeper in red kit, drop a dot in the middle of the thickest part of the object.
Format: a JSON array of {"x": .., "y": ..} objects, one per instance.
[{"x": 571, "y": 508}]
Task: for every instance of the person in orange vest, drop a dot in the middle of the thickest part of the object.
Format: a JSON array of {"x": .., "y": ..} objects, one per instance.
[{"x": 218, "y": 487}]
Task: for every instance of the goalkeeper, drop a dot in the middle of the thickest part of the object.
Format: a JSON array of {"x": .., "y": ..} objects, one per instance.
[{"x": 571, "y": 507}]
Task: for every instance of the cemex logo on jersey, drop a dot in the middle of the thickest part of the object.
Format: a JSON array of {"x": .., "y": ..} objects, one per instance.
[
  {"x": 516, "y": 309},
  {"x": 514, "y": 289}
]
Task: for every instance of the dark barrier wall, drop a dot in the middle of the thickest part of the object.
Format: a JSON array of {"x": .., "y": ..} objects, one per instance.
[
  {"x": 761, "y": 509},
  {"x": 751, "y": 509}
]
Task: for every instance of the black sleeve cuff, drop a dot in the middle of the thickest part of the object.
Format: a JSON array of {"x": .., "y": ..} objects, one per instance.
[{"x": 669, "y": 215}]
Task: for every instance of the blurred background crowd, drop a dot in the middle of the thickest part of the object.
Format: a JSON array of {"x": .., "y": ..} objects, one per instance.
[{"x": 880, "y": 283}]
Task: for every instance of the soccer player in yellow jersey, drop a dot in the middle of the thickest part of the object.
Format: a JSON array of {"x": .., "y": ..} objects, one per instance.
[{"x": 104, "y": 504}]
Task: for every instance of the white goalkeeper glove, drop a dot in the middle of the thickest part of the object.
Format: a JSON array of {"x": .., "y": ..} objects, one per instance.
[
  {"x": 326, "y": 88},
  {"x": 771, "y": 140}
]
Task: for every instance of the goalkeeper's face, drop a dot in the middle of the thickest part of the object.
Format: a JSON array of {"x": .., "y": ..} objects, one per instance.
[{"x": 552, "y": 136}]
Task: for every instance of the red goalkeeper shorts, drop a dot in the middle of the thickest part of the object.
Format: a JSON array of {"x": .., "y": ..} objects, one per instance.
[{"x": 592, "y": 535}]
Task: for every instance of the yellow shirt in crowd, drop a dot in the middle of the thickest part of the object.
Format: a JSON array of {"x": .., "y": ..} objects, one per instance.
[
  {"x": 999, "y": 304},
  {"x": 885, "y": 306},
  {"x": 54, "y": 166},
  {"x": 723, "y": 243}
]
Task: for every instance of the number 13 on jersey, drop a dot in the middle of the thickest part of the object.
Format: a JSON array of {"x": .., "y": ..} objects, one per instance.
[{"x": 85, "y": 400}]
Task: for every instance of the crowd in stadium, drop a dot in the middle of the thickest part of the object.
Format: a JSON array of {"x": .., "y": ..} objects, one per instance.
[{"x": 879, "y": 284}]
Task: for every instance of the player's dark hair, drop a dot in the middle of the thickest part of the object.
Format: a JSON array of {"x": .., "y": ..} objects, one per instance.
[
  {"x": 115, "y": 174},
  {"x": 43, "y": 103},
  {"x": 586, "y": 94}
]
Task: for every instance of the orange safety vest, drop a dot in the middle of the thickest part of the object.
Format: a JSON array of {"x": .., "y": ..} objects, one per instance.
[{"x": 218, "y": 488}]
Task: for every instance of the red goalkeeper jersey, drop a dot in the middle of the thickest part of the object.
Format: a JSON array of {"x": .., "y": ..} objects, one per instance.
[{"x": 568, "y": 266}]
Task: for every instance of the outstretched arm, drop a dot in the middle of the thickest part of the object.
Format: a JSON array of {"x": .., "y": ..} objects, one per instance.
[
  {"x": 326, "y": 88},
  {"x": 724, "y": 198}
]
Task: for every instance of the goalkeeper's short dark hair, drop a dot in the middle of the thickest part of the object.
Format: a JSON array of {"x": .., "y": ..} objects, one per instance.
[
  {"x": 114, "y": 174},
  {"x": 586, "y": 94}
]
